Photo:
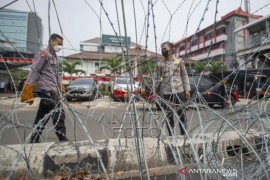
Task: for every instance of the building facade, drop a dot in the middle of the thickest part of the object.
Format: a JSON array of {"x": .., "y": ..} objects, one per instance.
[
  {"x": 22, "y": 29},
  {"x": 255, "y": 54},
  {"x": 93, "y": 50},
  {"x": 217, "y": 41}
]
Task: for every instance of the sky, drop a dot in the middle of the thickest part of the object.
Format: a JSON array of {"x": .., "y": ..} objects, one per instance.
[{"x": 173, "y": 19}]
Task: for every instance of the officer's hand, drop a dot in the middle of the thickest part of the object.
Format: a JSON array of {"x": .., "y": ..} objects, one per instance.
[
  {"x": 27, "y": 94},
  {"x": 187, "y": 95},
  {"x": 62, "y": 88}
]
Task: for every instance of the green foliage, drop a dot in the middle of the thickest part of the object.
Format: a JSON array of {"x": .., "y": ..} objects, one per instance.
[
  {"x": 216, "y": 67},
  {"x": 19, "y": 74},
  {"x": 213, "y": 67},
  {"x": 147, "y": 67},
  {"x": 105, "y": 89},
  {"x": 113, "y": 64},
  {"x": 71, "y": 67},
  {"x": 199, "y": 66}
]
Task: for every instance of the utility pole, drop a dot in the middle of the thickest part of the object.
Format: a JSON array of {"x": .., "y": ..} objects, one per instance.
[{"x": 247, "y": 8}]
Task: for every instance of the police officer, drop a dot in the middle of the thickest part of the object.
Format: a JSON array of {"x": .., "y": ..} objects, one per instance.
[
  {"x": 45, "y": 70},
  {"x": 174, "y": 86}
]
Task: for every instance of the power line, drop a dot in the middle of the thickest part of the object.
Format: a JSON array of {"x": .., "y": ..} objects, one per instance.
[{"x": 12, "y": 2}]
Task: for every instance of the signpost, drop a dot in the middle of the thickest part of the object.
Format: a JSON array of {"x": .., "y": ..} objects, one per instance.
[{"x": 114, "y": 40}]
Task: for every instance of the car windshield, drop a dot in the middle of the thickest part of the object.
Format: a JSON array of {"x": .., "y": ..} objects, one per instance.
[
  {"x": 83, "y": 81},
  {"x": 193, "y": 79},
  {"x": 123, "y": 81}
]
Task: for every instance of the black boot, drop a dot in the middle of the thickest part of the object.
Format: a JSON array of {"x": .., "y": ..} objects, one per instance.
[
  {"x": 35, "y": 137},
  {"x": 62, "y": 137}
]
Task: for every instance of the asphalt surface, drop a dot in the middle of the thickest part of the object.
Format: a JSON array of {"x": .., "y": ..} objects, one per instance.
[{"x": 99, "y": 119}]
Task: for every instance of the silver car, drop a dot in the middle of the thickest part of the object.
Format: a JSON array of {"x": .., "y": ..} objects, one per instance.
[{"x": 82, "y": 88}]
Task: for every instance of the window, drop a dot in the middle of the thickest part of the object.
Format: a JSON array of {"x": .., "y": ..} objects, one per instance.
[
  {"x": 81, "y": 47},
  {"x": 83, "y": 81},
  {"x": 206, "y": 83},
  {"x": 201, "y": 39},
  {"x": 208, "y": 36},
  {"x": 9, "y": 15},
  {"x": 198, "y": 52},
  {"x": 194, "y": 42},
  {"x": 7, "y": 22},
  {"x": 96, "y": 65},
  {"x": 123, "y": 81},
  {"x": 221, "y": 31},
  {"x": 215, "y": 46},
  {"x": 182, "y": 47},
  {"x": 193, "y": 80},
  {"x": 100, "y": 48}
]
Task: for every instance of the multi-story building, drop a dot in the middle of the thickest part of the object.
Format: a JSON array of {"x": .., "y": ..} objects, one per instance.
[
  {"x": 256, "y": 49},
  {"x": 23, "y": 30},
  {"x": 217, "y": 41},
  {"x": 93, "y": 50}
]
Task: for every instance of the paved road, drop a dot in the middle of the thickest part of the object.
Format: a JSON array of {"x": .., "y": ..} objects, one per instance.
[{"x": 97, "y": 120}]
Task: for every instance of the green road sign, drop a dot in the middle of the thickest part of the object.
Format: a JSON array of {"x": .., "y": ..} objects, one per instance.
[{"x": 115, "y": 40}]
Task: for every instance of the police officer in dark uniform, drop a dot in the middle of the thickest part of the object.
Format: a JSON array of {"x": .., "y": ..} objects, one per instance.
[{"x": 45, "y": 71}]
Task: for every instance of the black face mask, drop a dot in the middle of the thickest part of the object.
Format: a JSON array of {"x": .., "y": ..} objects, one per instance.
[{"x": 165, "y": 53}]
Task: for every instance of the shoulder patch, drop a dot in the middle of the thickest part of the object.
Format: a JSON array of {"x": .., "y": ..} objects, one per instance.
[
  {"x": 177, "y": 61},
  {"x": 183, "y": 63}
]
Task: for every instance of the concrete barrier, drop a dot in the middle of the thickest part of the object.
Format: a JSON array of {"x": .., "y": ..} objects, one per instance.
[{"x": 46, "y": 160}]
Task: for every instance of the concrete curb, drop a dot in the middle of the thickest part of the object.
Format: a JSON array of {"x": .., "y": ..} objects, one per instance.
[{"x": 46, "y": 160}]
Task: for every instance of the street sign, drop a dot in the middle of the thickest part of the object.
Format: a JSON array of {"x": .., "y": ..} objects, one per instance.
[{"x": 115, "y": 40}]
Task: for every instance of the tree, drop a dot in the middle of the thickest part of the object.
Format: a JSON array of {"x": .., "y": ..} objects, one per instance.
[
  {"x": 113, "y": 64},
  {"x": 216, "y": 67},
  {"x": 71, "y": 68},
  {"x": 199, "y": 66},
  {"x": 146, "y": 67},
  {"x": 19, "y": 73}
]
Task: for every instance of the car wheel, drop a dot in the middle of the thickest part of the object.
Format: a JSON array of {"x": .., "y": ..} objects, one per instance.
[
  {"x": 69, "y": 99},
  {"x": 233, "y": 101},
  {"x": 227, "y": 102},
  {"x": 114, "y": 98},
  {"x": 211, "y": 105},
  {"x": 92, "y": 97},
  {"x": 158, "y": 107}
]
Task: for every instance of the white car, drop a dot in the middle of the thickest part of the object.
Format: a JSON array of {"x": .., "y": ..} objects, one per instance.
[{"x": 121, "y": 88}]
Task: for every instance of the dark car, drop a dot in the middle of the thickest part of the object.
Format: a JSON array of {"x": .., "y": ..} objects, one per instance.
[
  {"x": 257, "y": 85},
  {"x": 82, "y": 88},
  {"x": 213, "y": 91}
]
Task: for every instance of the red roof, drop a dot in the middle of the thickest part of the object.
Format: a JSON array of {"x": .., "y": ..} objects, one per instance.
[
  {"x": 94, "y": 55},
  {"x": 240, "y": 12},
  {"x": 91, "y": 55},
  {"x": 94, "y": 40}
]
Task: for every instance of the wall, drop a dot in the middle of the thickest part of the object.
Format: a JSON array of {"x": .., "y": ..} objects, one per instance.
[{"x": 34, "y": 33}]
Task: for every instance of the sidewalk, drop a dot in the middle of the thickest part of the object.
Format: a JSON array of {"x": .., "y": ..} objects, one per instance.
[
  {"x": 8, "y": 99},
  {"x": 7, "y": 95},
  {"x": 244, "y": 101}
]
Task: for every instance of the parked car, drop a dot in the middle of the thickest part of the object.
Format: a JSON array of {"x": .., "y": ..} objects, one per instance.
[
  {"x": 82, "y": 88},
  {"x": 257, "y": 85},
  {"x": 212, "y": 91},
  {"x": 121, "y": 87},
  {"x": 264, "y": 88}
]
